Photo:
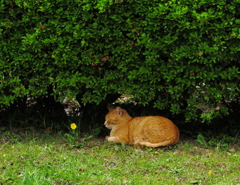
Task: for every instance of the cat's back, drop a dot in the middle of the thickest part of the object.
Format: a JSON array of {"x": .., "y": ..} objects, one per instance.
[
  {"x": 151, "y": 120},
  {"x": 154, "y": 125}
]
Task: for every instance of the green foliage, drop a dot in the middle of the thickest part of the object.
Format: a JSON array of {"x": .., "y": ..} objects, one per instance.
[
  {"x": 201, "y": 140},
  {"x": 219, "y": 141},
  {"x": 175, "y": 54}
]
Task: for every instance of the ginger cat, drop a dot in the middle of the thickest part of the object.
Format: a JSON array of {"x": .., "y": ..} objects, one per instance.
[{"x": 150, "y": 131}]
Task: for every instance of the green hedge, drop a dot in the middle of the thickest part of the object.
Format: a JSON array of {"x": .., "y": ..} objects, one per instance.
[{"x": 179, "y": 55}]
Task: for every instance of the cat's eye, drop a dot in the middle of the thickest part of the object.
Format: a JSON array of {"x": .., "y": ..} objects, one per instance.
[{"x": 110, "y": 122}]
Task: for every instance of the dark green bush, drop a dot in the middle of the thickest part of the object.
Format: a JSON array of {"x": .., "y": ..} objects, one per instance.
[{"x": 177, "y": 55}]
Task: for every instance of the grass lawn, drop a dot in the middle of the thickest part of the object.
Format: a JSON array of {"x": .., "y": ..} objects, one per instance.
[{"x": 42, "y": 159}]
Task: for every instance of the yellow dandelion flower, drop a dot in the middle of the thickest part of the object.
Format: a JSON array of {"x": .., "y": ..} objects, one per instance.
[
  {"x": 73, "y": 126},
  {"x": 210, "y": 172}
]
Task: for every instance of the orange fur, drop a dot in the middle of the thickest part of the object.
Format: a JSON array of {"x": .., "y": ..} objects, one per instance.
[{"x": 150, "y": 131}]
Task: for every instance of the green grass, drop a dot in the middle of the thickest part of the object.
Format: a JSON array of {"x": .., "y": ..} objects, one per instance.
[{"x": 42, "y": 159}]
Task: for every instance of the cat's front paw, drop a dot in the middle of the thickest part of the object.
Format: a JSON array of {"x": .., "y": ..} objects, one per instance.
[
  {"x": 113, "y": 139},
  {"x": 107, "y": 137}
]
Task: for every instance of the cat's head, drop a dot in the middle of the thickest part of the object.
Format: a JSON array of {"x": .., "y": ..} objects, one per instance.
[{"x": 115, "y": 117}]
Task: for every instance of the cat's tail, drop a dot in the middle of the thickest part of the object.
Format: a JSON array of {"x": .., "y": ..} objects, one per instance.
[{"x": 154, "y": 145}]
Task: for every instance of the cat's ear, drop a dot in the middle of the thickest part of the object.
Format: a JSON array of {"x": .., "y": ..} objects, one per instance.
[
  {"x": 119, "y": 111},
  {"x": 110, "y": 108}
]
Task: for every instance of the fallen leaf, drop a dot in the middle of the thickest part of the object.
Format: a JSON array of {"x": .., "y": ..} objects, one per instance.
[
  {"x": 20, "y": 175},
  {"x": 82, "y": 169}
]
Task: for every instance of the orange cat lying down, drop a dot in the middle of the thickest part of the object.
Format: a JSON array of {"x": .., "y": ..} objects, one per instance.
[{"x": 150, "y": 131}]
